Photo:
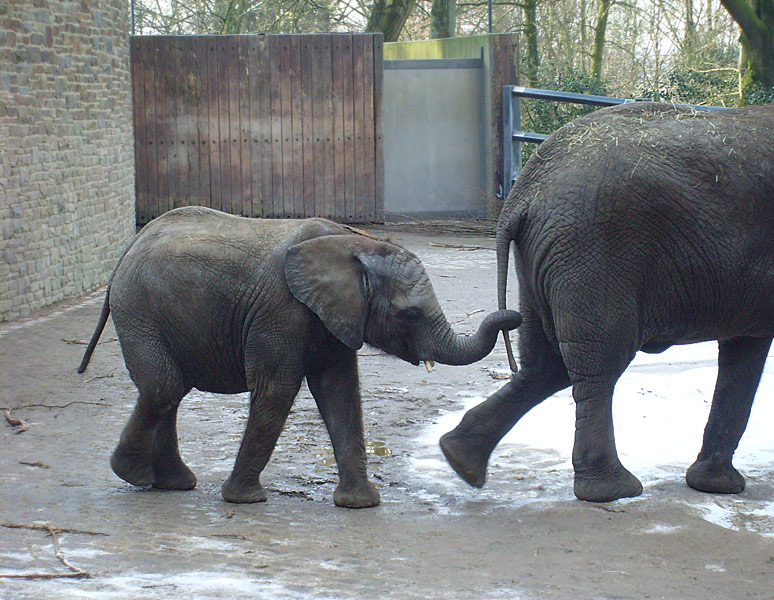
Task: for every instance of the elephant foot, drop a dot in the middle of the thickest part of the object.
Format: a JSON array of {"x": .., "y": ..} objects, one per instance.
[
  {"x": 241, "y": 493},
  {"x": 714, "y": 476},
  {"x": 468, "y": 463},
  {"x": 611, "y": 485},
  {"x": 363, "y": 495},
  {"x": 178, "y": 478},
  {"x": 133, "y": 467}
]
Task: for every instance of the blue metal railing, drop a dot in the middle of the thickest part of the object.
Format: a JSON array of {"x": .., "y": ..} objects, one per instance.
[{"x": 513, "y": 136}]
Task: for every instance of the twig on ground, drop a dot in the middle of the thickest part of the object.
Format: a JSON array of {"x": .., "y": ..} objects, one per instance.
[
  {"x": 235, "y": 536},
  {"x": 55, "y": 405},
  {"x": 75, "y": 572},
  {"x": 34, "y": 464},
  {"x": 19, "y": 425},
  {"x": 110, "y": 374},
  {"x": 467, "y": 316},
  {"x": 46, "y": 527},
  {"x": 458, "y": 247},
  {"x": 85, "y": 342},
  {"x": 44, "y": 575},
  {"x": 22, "y": 426}
]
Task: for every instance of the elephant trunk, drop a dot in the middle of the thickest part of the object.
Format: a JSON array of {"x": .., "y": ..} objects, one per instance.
[{"x": 455, "y": 349}]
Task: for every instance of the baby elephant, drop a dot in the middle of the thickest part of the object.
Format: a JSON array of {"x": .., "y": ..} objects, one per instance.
[{"x": 202, "y": 299}]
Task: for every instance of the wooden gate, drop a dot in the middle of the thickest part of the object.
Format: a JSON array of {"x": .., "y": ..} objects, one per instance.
[{"x": 259, "y": 125}]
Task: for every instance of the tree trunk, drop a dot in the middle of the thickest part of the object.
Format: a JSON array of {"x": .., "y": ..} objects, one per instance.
[
  {"x": 756, "y": 20},
  {"x": 389, "y": 17},
  {"x": 235, "y": 14},
  {"x": 443, "y": 19},
  {"x": 597, "y": 52},
  {"x": 690, "y": 26},
  {"x": 583, "y": 35},
  {"x": 531, "y": 34}
]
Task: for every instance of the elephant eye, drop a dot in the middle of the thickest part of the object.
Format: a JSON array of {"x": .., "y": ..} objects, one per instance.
[{"x": 410, "y": 315}]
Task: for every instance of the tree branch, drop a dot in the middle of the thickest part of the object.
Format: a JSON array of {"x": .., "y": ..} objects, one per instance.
[{"x": 743, "y": 14}]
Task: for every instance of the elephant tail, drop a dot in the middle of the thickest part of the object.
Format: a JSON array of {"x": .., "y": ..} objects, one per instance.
[
  {"x": 507, "y": 228},
  {"x": 103, "y": 317}
]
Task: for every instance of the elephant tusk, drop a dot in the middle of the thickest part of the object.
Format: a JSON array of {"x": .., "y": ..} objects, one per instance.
[{"x": 429, "y": 364}]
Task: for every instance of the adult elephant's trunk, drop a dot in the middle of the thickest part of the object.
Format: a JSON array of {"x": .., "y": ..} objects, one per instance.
[
  {"x": 451, "y": 348},
  {"x": 505, "y": 233}
]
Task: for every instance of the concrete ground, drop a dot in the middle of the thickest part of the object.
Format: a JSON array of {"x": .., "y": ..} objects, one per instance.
[{"x": 522, "y": 536}]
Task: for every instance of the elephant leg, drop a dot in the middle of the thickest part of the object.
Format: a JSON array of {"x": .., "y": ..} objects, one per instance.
[
  {"x": 740, "y": 366},
  {"x": 169, "y": 470},
  {"x": 599, "y": 474},
  {"x": 136, "y": 455},
  {"x": 270, "y": 404},
  {"x": 336, "y": 389},
  {"x": 468, "y": 446}
]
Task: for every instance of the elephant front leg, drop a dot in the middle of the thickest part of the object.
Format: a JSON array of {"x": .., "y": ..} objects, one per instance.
[
  {"x": 740, "y": 366},
  {"x": 270, "y": 405},
  {"x": 468, "y": 446},
  {"x": 599, "y": 474},
  {"x": 336, "y": 390}
]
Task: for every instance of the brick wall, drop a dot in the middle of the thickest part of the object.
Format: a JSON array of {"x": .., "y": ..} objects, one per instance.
[{"x": 66, "y": 148}]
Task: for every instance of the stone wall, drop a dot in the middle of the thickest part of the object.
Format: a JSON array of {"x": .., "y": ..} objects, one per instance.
[{"x": 66, "y": 148}]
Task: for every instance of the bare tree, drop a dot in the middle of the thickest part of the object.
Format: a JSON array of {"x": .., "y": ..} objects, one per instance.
[
  {"x": 603, "y": 12},
  {"x": 389, "y": 17},
  {"x": 443, "y": 19}
]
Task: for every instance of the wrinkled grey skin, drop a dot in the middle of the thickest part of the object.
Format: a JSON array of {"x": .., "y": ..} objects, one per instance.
[
  {"x": 636, "y": 228},
  {"x": 224, "y": 304}
]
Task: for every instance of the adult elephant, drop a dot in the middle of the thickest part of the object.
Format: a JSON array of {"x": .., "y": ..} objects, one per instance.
[
  {"x": 635, "y": 228},
  {"x": 224, "y": 304}
]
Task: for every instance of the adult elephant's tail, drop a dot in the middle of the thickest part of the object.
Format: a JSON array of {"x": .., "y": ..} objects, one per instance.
[{"x": 507, "y": 228}]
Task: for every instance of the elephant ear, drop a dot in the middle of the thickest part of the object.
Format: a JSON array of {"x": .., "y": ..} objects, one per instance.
[{"x": 326, "y": 275}]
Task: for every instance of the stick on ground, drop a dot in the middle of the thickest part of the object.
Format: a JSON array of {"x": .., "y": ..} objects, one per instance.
[{"x": 75, "y": 572}]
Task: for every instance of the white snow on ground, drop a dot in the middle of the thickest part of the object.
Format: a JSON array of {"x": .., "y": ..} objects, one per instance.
[
  {"x": 147, "y": 586},
  {"x": 660, "y": 408}
]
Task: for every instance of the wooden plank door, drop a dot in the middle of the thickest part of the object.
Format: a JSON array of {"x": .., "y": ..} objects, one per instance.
[{"x": 259, "y": 125}]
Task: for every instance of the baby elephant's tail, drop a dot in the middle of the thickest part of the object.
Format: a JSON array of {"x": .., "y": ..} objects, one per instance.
[{"x": 103, "y": 317}]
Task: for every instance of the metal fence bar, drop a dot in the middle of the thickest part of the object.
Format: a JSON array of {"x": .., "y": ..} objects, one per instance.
[
  {"x": 511, "y": 146},
  {"x": 525, "y": 92},
  {"x": 513, "y": 136}
]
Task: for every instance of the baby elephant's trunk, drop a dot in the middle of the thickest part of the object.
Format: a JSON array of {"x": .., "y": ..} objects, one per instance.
[{"x": 456, "y": 349}]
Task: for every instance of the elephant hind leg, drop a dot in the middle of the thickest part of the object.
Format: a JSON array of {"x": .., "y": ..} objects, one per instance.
[
  {"x": 740, "y": 366},
  {"x": 599, "y": 474},
  {"x": 147, "y": 452},
  {"x": 169, "y": 470},
  {"x": 595, "y": 366}
]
